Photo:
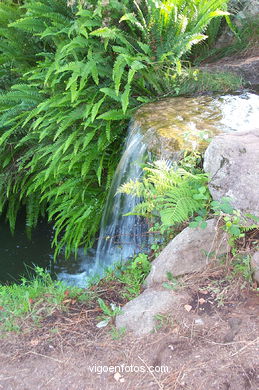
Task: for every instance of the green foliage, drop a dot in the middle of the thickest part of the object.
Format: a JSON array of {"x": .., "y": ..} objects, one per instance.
[
  {"x": 173, "y": 283},
  {"x": 202, "y": 82},
  {"x": 171, "y": 193},
  {"x": 242, "y": 266},
  {"x": 163, "y": 321},
  {"x": 198, "y": 222},
  {"x": 71, "y": 77},
  {"x": 39, "y": 296},
  {"x": 34, "y": 298},
  {"x": 111, "y": 311},
  {"x": 236, "y": 223},
  {"x": 222, "y": 206},
  {"x": 134, "y": 275},
  {"x": 117, "y": 334},
  {"x": 130, "y": 275},
  {"x": 244, "y": 40}
]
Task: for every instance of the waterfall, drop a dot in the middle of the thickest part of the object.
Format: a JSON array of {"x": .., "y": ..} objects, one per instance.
[{"x": 122, "y": 236}]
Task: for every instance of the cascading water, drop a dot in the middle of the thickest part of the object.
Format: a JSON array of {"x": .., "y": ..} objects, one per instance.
[
  {"x": 157, "y": 126},
  {"x": 120, "y": 236}
]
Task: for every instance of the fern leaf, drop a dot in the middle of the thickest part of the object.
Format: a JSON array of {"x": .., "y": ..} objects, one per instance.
[
  {"x": 96, "y": 108},
  {"x": 118, "y": 70},
  {"x": 113, "y": 115},
  {"x": 125, "y": 98}
]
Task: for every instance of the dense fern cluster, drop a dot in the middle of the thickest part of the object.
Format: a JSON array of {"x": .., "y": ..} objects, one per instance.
[{"x": 70, "y": 78}]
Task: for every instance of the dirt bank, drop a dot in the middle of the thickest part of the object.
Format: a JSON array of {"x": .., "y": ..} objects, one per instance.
[{"x": 211, "y": 343}]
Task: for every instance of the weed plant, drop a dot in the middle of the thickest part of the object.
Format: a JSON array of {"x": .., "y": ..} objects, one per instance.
[
  {"x": 39, "y": 296},
  {"x": 34, "y": 299}
]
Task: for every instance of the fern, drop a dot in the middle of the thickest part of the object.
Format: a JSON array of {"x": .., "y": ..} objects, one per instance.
[
  {"x": 178, "y": 205},
  {"x": 173, "y": 193},
  {"x": 70, "y": 78}
]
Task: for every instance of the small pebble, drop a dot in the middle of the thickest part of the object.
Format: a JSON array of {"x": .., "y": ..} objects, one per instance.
[{"x": 199, "y": 322}]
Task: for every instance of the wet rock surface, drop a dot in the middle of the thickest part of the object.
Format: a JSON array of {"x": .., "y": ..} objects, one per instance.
[
  {"x": 174, "y": 125},
  {"x": 178, "y": 124}
]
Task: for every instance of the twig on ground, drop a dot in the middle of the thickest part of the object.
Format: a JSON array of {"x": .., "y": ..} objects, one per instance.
[
  {"x": 161, "y": 387},
  {"x": 48, "y": 357},
  {"x": 246, "y": 346}
]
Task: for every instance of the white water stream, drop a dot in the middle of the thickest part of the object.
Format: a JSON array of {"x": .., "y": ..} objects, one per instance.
[{"x": 120, "y": 236}]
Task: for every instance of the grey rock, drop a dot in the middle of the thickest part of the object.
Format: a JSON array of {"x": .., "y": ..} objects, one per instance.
[
  {"x": 190, "y": 251},
  {"x": 139, "y": 314},
  {"x": 255, "y": 266},
  {"x": 232, "y": 160},
  {"x": 251, "y": 8}
]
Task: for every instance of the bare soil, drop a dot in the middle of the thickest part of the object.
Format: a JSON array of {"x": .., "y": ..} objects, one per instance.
[
  {"x": 210, "y": 343},
  {"x": 245, "y": 64}
]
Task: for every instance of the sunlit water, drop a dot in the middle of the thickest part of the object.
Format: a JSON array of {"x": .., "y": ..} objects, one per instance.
[{"x": 121, "y": 237}]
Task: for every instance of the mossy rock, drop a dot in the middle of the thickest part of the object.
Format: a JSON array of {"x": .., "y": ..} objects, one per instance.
[
  {"x": 178, "y": 124},
  {"x": 174, "y": 125}
]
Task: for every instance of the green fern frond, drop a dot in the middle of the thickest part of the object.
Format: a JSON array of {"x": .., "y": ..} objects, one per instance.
[{"x": 172, "y": 193}]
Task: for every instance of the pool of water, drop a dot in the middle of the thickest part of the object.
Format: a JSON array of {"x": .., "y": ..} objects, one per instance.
[{"x": 19, "y": 254}]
